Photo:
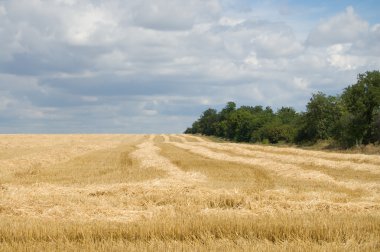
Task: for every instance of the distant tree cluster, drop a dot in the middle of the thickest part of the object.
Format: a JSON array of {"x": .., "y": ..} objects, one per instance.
[{"x": 352, "y": 118}]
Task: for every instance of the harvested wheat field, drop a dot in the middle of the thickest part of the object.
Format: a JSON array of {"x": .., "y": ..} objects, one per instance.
[{"x": 181, "y": 192}]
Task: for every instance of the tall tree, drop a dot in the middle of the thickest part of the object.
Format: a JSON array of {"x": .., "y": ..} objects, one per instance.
[
  {"x": 241, "y": 124},
  {"x": 207, "y": 122},
  {"x": 377, "y": 127},
  {"x": 222, "y": 129},
  {"x": 287, "y": 115},
  {"x": 320, "y": 117},
  {"x": 362, "y": 104}
]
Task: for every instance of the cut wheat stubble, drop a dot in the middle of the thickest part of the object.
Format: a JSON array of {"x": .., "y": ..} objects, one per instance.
[
  {"x": 176, "y": 205},
  {"x": 280, "y": 168}
]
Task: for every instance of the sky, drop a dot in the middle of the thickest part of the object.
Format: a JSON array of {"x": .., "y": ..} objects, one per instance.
[{"x": 153, "y": 66}]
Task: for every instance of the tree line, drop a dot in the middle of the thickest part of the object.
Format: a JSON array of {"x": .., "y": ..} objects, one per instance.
[{"x": 348, "y": 119}]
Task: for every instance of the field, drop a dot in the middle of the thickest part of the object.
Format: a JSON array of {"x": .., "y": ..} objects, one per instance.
[{"x": 181, "y": 192}]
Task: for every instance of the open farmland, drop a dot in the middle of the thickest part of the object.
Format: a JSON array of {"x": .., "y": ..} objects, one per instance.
[{"x": 181, "y": 192}]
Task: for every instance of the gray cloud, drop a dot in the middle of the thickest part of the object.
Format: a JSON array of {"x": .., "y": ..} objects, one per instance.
[
  {"x": 173, "y": 15},
  {"x": 154, "y": 66}
]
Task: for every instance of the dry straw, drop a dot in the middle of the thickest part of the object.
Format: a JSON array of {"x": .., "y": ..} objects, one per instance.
[{"x": 177, "y": 192}]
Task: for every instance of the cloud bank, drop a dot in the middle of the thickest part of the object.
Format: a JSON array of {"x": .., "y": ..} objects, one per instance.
[{"x": 154, "y": 66}]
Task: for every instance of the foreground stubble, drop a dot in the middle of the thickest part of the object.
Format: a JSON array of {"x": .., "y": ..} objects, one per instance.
[{"x": 141, "y": 192}]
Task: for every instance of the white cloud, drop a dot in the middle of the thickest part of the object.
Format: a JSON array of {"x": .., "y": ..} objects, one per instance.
[
  {"x": 252, "y": 61},
  {"x": 265, "y": 39},
  {"x": 301, "y": 83},
  {"x": 277, "y": 44},
  {"x": 81, "y": 29},
  {"x": 90, "y": 98},
  {"x": 114, "y": 60},
  {"x": 141, "y": 65},
  {"x": 66, "y": 2},
  {"x": 345, "y": 62},
  {"x": 228, "y": 21},
  {"x": 5, "y": 101},
  {"x": 173, "y": 15},
  {"x": 343, "y": 28},
  {"x": 3, "y": 12},
  {"x": 339, "y": 48},
  {"x": 339, "y": 57}
]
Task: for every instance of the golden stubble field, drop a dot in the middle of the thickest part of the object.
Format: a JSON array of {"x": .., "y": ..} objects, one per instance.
[{"x": 181, "y": 192}]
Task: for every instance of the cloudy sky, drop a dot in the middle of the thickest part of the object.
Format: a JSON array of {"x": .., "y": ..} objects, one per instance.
[{"x": 152, "y": 66}]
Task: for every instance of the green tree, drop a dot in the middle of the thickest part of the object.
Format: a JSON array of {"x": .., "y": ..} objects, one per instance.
[
  {"x": 376, "y": 127},
  {"x": 222, "y": 128},
  {"x": 261, "y": 118},
  {"x": 362, "y": 104},
  {"x": 352, "y": 118},
  {"x": 319, "y": 120},
  {"x": 194, "y": 129},
  {"x": 288, "y": 115},
  {"x": 281, "y": 127},
  {"x": 275, "y": 132},
  {"x": 240, "y": 123},
  {"x": 207, "y": 122},
  {"x": 227, "y": 110}
]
